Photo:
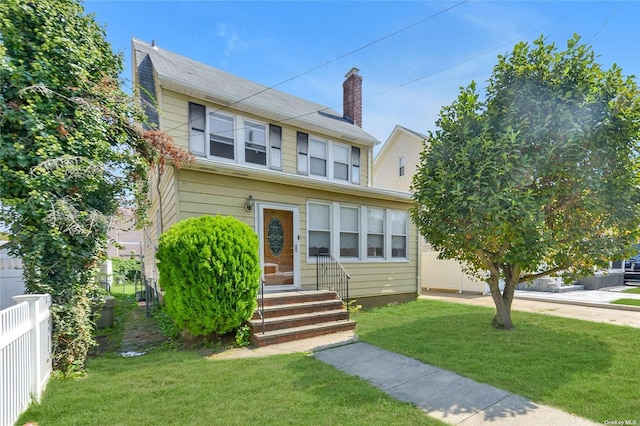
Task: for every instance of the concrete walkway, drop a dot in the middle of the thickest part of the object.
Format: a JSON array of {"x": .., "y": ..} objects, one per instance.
[
  {"x": 443, "y": 394},
  {"x": 440, "y": 393}
]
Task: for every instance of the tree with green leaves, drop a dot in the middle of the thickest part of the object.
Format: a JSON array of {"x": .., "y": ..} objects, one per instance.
[
  {"x": 539, "y": 178},
  {"x": 71, "y": 150}
]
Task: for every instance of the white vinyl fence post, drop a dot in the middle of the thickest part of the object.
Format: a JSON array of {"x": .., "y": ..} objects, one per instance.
[{"x": 40, "y": 351}]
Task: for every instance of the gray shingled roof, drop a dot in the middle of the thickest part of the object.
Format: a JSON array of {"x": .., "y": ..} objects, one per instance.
[
  {"x": 219, "y": 86},
  {"x": 420, "y": 135}
]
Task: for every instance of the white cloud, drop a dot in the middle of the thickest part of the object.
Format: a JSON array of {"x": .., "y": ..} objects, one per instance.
[{"x": 231, "y": 39}]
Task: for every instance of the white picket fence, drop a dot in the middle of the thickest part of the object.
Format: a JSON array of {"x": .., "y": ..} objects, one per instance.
[{"x": 25, "y": 354}]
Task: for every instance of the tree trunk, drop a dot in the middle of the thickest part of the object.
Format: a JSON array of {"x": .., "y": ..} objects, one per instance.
[{"x": 502, "y": 318}]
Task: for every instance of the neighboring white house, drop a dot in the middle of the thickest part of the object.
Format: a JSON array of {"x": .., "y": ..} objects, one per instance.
[{"x": 393, "y": 168}]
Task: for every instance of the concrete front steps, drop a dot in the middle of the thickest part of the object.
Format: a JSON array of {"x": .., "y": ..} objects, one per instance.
[{"x": 296, "y": 315}]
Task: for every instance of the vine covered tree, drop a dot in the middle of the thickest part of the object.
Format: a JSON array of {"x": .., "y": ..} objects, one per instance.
[
  {"x": 541, "y": 177},
  {"x": 71, "y": 149}
]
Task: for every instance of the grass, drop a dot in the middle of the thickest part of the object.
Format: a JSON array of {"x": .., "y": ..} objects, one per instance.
[
  {"x": 589, "y": 369},
  {"x": 180, "y": 387},
  {"x": 183, "y": 388},
  {"x": 634, "y": 290},
  {"x": 624, "y": 301}
]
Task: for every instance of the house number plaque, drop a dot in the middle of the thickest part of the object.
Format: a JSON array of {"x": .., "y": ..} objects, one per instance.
[{"x": 275, "y": 236}]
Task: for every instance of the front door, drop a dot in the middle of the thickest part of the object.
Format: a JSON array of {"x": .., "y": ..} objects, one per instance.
[{"x": 279, "y": 246}]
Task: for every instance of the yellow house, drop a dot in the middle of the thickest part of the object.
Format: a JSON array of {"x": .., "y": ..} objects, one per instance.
[
  {"x": 297, "y": 172},
  {"x": 393, "y": 168}
]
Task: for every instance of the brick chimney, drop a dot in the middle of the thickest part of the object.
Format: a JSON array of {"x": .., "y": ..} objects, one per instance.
[{"x": 352, "y": 97}]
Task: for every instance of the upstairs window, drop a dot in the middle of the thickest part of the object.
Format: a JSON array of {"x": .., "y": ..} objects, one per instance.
[
  {"x": 197, "y": 129},
  {"x": 401, "y": 166},
  {"x": 221, "y": 136},
  {"x": 303, "y": 153},
  {"x": 327, "y": 159},
  {"x": 340, "y": 162},
  {"x": 355, "y": 165},
  {"x": 234, "y": 138},
  {"x": 317, "y": 157},
  {"x": 255, "y": 143},
  {"x": 275, "y": 144}
]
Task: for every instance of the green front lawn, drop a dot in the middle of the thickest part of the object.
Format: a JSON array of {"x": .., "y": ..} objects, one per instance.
[
  {"x": 633, "y": 290},
  {"x": 586, "y": 368},
  {"x": 624, "y": 301},
  {"x": 183, "y": 388}
]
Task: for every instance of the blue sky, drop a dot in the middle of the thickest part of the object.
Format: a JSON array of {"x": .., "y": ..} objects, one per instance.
[{"x": 407, "y": 76}]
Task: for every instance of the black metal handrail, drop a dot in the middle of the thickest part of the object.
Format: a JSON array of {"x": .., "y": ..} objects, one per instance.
[{"x": 331, "y": 275}]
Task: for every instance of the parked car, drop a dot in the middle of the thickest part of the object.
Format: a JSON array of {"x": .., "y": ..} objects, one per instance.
[{"x": 632, "y": 264}]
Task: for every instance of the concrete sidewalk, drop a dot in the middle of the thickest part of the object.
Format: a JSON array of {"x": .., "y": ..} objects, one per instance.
[{"x": 441, "y": 394}]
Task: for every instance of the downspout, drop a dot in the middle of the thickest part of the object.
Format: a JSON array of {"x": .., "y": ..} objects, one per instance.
[{"x": 419, "y": 274}]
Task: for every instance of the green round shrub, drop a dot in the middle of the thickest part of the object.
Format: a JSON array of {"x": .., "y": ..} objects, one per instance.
[{"x": 210, "y": 272}]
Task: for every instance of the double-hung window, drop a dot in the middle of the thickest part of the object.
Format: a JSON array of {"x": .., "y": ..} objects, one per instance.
[
  {"x": 255, "y": 143},
  {"x": 303, "y": 153},
  {"x": 375, "y": 233},
  {"x": 317, "y": 157},
  {"x": 398, "y": 234},
  {"x": 197, "y": 129},
  {"x": 327, "y": 159},
  {"x": 355, "y": 165},
  {"x": 357, "y": 233},
  {"x": 275, "y": 144},
  {"x": 319, "y": 226},
  {"x": 349, "y": 232},
  {"x": 221, "y": 136},
  {"x": 400, "y": 166},
  {"x": 340, "y": 162},
  {"x": 234, "y": 138}
]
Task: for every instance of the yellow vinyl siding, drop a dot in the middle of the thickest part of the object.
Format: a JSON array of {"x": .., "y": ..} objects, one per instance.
[
  {"x": 169, "y": 212},
  {"x": 207, "y": 193},
  {"x": 175, "y": 119}
]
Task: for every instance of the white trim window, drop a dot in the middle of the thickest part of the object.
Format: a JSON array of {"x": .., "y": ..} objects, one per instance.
[
  {"x": 197, "y": 129},
  {"x": 341, "y": 162},
  {"x": 398, "y": 234},
  {"x": 255, "y": 143},
  {"x": 275, "y": 146},
  {"x": 319, "y": 228},
  {"x": 358, "y": 233},
  {"x": 222, "y": 136},
  {"x": 355, "y": 165},
  {"x": 327, "y": 159},
  {"x": 349, "y": 232},
  {"x": 234, "y": 138},
  {"x": 317, "y": 157},
  {"x": 400, "y": 166},
  {"x": 375, "y": 233}
]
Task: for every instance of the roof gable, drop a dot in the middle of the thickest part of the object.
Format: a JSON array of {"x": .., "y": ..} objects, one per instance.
[{"x": 177, "y": 72}]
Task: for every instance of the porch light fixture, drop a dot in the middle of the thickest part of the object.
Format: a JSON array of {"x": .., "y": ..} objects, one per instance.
[{"x": 248, "y": 206}]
